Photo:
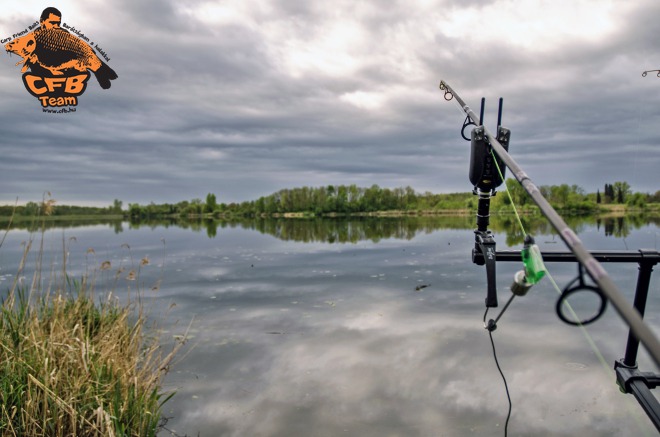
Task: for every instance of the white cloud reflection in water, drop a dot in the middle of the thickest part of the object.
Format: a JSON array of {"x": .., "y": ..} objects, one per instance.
[
  {"x": 315, "y": 343},
  {"x": 317, "y": 339}
]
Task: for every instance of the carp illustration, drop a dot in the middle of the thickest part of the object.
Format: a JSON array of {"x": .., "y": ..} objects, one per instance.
[{"x": 58, "y": 51}]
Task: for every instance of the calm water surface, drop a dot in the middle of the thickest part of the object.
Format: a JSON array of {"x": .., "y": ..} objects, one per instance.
[{"x": 315, "y": 328}]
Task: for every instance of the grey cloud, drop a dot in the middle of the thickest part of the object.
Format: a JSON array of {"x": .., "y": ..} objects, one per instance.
[{"x": 186, "y": 88}]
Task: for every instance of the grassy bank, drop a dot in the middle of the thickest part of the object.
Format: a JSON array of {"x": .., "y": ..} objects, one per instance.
[
  {"x": 75, "y": 361},
  {"x": 106, "y": 217}
]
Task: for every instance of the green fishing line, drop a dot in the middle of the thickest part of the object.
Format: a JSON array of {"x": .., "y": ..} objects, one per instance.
[{"x": 535, "y": 270}]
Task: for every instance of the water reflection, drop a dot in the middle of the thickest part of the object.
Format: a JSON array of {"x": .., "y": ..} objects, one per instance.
[
  {"x": 327, "y": 340},
  {"x": 293, "y": 336},
  {"x": 352, "y": 230}
]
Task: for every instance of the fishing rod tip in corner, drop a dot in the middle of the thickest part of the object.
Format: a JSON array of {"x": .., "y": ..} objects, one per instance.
[{"x": 449, "y": 95}]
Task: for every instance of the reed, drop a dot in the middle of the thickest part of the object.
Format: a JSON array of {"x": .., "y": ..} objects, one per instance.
[{"x": 76, "y": 362}]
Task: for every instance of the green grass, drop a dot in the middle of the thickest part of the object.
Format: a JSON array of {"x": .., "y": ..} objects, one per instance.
[{"x": 74, "y": 362}]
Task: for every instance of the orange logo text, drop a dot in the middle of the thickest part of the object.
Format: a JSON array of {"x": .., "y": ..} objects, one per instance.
[{"x": 56, "y": 91}]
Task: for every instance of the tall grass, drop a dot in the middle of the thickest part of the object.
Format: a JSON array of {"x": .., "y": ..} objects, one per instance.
[{"x": 75, "y": 362}]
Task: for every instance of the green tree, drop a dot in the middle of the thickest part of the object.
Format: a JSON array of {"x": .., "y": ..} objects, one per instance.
[
  {"x": 371, "y": 199},
  {"x": 116, "y": 206},
  {"x": 637, "y": 200},
  {"x": 30, "y": 209},
  {"x": 621, "y": 190},
  {"x": 342, "y": 198},
  {"x": 354, "y": 195},
  {"x": 655, "y": 197},
  {"x": 410, "y": 198},
  {"x": 211, "y": 204},
  {"x": 285, "y": 201},
  {"x": 518, "y": 193},
  {"x": 559, "y": 194},
  {"x": 135, "y": 210},
  {"x": 195, "y": 207}
]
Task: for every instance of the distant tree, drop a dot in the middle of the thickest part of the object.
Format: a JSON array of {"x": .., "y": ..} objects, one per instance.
[
  {"x": 30, "y": 209},
  {"x": 354, "y": 194},
  {"x": 196, "y": 207},
  {"x": 181, "y": 206},
  {"x": 342, "y": 198},
  {"x": 410, "y": 198},
  {"x": 621, "y": 190},
  {"x": 518, "y": 194},
  {"x": 656, "y": 197},
  {"x": 545, "y": 191},
  {"x": 211, "y": 204},
  {"x": 609, "y": 194},
  {"x": 285, "y": 201},
  {"x": 135, "y": 210},
  {"x": 330, "y": 204},
  {"x": 559, "y": 194},
  {"x": 371, "y": 199},
  {"x": 598, "y": 196},
  {"x": 116, "y": 206},
  {"x": 637, "y": 200},
  {"x": 260, "y": 205}
]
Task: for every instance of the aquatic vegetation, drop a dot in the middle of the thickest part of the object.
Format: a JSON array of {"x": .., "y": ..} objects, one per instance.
[{"x": 74, "y": 361}]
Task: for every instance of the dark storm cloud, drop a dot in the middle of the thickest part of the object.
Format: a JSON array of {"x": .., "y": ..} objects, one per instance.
[{"x": 257, "y": 98}]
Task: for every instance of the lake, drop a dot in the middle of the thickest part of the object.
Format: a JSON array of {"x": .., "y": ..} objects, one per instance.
[{"x": 365, "y": 327}]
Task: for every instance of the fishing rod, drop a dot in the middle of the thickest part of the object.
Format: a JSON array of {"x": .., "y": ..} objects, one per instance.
[{"x": 488, "y": 180}]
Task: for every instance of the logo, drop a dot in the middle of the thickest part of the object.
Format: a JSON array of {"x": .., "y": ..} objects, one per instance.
[{"x": 56, "y": 63}]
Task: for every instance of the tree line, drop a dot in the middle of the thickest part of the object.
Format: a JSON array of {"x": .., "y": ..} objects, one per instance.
[
  {"x": 351, "y": 199},
  {"x": 48, "y": 207}
]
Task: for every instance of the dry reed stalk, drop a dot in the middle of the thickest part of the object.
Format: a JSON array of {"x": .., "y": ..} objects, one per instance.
[{"x": 70, "y": 367}]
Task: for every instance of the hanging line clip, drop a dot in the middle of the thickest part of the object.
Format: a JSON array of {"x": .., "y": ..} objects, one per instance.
[{"x": 523, "y": 280}]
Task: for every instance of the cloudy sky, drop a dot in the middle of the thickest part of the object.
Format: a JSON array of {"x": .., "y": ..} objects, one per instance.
[{"x": 244, "y": 97}]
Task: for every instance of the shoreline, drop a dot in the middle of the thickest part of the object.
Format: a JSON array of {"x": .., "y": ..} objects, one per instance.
[{"x": 608, "y": 211}]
